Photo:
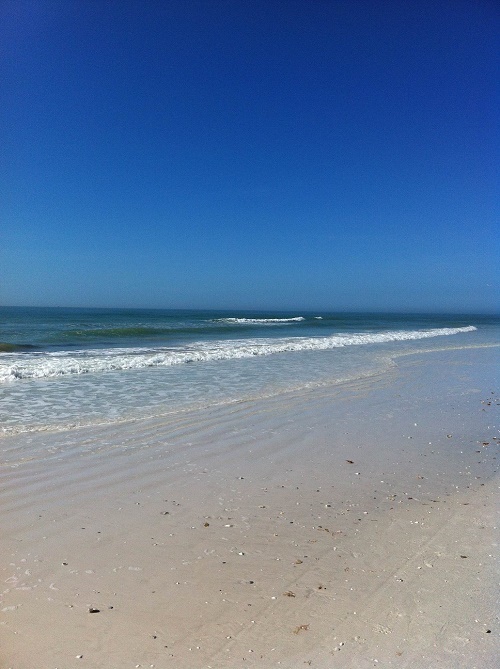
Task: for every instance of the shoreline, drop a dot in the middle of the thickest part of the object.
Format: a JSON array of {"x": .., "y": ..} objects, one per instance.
[
  {"x": 249, "y": 534},
  {"x": 372, "y": 375}
]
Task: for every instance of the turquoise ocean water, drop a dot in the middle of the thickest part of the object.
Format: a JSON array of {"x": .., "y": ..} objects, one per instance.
[{"x": 61, "y": 368}]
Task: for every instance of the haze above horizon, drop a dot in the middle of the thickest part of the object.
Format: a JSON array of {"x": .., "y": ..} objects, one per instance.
[{"x": 257, "y": 155}]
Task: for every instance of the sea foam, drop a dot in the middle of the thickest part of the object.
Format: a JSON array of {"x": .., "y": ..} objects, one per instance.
[
  {"x": 92, "y": 361},
  {"x": 259, "y": 321}
]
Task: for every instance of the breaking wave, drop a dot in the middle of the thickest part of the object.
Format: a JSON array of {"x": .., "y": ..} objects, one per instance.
[
  {"x": 260, "y": 321},
  {"x": 56, "y": 364}
]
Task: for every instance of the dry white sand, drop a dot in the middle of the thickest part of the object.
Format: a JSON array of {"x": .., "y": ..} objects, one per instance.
[{"x": 339, "y": 527}]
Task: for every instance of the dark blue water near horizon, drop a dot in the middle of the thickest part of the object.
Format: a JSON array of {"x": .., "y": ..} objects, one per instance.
[{"x": 46, "y": 328}]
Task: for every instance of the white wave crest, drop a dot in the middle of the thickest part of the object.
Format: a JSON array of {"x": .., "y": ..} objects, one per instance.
[
  {"x": 37, "y": 366},
  {"x": 259, "y": 321}
]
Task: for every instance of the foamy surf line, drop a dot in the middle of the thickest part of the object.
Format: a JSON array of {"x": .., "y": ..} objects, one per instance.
[
  {"x": 96, "y": 361},
  {"x": 261, "y": 321}
]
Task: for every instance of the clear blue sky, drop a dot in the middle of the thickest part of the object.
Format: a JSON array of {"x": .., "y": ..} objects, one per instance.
[{"x": 247, "y": 153}]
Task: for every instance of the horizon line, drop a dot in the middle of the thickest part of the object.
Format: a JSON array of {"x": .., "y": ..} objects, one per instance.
[{"x": 264, "y": 309}]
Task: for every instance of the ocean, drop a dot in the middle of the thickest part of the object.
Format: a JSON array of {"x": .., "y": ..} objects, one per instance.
[{"x": 62, "y": 368}]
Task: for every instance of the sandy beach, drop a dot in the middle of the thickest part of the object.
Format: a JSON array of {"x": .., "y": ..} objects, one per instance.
[{"x": 344, "y": 526}]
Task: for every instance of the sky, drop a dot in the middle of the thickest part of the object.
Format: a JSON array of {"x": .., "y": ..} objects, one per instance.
[{"x": 277, "y": 154}]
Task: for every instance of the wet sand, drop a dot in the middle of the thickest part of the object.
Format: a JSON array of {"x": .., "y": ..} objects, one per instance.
[{"x": 348, "y": 526}]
